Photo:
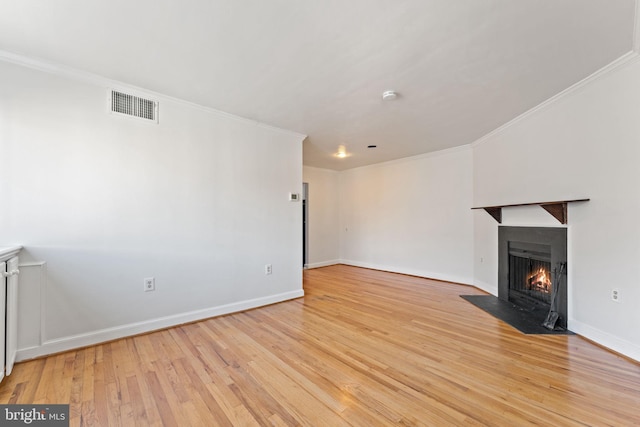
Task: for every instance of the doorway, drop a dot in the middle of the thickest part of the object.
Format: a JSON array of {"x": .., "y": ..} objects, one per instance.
[{"x": 305, "y": 223}]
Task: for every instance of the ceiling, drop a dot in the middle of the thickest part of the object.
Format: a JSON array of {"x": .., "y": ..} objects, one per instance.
[{"x": 462, "y": 68}]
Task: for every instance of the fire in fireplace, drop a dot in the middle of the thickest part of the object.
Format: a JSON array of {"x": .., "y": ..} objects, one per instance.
[
  {"x": 530, "y": 273},
  {"x": 539, "y": 280}
]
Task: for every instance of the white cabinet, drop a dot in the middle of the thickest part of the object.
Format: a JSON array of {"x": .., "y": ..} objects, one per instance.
[{"x": 8, "y": 309}]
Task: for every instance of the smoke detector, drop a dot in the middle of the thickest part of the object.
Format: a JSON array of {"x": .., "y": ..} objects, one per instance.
[{"x": 389, "y": 95}]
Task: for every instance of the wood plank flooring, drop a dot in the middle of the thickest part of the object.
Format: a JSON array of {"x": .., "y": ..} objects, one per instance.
[{"x": 362, "y": 348}]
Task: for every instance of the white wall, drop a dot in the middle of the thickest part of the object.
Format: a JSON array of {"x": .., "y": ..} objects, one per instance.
[
  {"x": 323, "y": 216},
  {"x": 585, "y": 143},
  {"x": 410, "y": 216},
  {"x": 198, "y": 201}
]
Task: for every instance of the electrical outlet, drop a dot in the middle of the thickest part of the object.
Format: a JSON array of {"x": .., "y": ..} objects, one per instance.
[
  {"x": 268, "y": 269},
  {"x": 149, "y": 284},
  {"x": 615, "y": 295}
]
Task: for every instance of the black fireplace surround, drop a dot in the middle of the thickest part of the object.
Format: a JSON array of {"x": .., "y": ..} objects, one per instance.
[{"x": 531, "y": 261}]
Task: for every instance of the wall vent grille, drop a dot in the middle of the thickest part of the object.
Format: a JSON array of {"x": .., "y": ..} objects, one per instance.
[{"x": 135, "y": 106}]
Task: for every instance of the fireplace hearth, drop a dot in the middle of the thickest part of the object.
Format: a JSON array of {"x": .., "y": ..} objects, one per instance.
[{"x": 531, "y": 270}]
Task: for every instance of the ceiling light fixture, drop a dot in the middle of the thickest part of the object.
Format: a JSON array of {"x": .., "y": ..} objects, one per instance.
[
  {"x": 389, "y": 95},
  {"x": 342, "y": 152}
]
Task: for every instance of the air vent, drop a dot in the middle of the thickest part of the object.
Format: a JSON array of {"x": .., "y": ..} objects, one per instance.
[{"x": 134, "y": 106}]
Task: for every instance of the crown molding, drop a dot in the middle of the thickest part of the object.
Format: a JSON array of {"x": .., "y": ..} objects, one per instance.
[
  {"x": 332, "y": 171},
  {"x": 95, "y": 79},
  {"x": 414, "y": 158},
  {"x": 624, "y": 60}
]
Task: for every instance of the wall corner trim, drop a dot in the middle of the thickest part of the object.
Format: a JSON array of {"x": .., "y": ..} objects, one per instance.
[{"x": 322, "y": 264}]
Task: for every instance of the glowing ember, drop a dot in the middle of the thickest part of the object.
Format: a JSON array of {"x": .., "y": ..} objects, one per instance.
[{"x": 539, "y": 281}]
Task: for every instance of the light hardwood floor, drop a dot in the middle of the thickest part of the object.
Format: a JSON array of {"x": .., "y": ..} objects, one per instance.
[{"x": 362, "y": 348}]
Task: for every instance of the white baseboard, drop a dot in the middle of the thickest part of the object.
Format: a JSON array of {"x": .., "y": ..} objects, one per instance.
[
  {"x": 487, "y": 287},
  {"x": 103, "y": 335},
  {"x": 609, "y": 341},
  {"x": 410, "y": 271},
  {"x": 322, "y": 264}
]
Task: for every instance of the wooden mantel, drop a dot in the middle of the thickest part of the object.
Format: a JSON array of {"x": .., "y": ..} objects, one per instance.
[{"x": 557, "y": 209}]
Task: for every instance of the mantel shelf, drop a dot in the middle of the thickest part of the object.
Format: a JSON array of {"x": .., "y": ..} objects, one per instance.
[{"x": 557, "y": 209}]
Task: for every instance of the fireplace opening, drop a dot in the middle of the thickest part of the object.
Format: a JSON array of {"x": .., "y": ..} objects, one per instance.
[
  {"x": 529, "y": 266},
  {"x": 530, "y": 282}
]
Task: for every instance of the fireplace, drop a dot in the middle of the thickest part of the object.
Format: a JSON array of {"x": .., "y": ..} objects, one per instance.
[{"x": 532, "y": 270}]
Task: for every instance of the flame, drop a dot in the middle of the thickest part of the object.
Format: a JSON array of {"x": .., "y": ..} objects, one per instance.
[{"x": 539, "y": 281}]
